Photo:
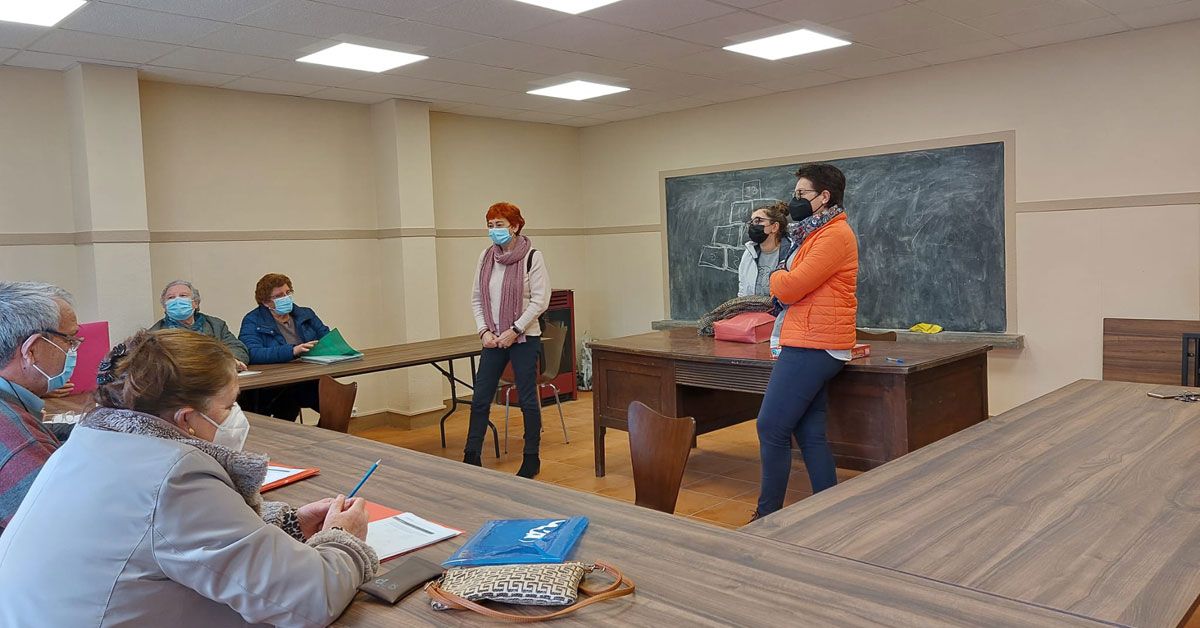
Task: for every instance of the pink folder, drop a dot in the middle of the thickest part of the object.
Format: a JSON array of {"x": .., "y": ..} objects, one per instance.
[{"x": 95, "y": 346}]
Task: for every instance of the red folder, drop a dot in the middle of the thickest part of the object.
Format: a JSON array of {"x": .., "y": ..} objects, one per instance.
[{"x": 307, "y": 473}]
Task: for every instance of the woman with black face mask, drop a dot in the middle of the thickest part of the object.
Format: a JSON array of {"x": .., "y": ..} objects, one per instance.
[{"x": 768, "y": 237}]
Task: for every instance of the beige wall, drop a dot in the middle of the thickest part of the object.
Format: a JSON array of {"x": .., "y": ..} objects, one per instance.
[
  {"x": 35, "y": 163},
  {"x": 1113, "y": 116}
]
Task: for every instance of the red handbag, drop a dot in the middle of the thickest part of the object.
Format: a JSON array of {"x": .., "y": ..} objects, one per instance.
[{"x": 748, "y": 327}]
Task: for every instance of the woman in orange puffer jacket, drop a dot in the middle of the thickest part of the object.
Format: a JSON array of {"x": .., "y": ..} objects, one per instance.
[{"x": 815, "y": 285}]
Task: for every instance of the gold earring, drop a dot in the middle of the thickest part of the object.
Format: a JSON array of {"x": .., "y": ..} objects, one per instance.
[{"x": 191, "y": 431}]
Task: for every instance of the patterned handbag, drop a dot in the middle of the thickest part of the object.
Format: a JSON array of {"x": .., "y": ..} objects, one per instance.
[{"x": 556, "y": 584}]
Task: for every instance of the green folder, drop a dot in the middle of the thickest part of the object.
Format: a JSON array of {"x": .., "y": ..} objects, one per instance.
[{"x": 332, "y": 348}]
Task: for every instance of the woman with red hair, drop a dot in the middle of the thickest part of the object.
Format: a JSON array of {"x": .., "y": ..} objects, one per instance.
[{"x": 510, "y": 291}]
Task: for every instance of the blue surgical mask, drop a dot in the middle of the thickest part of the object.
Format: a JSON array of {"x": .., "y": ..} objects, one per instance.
[
  {"x": 180, "y": 309},
  {"x": 60, "y": 380},
  {"x": 284, "y": 304},
  {"x": 500, "y": 235}
]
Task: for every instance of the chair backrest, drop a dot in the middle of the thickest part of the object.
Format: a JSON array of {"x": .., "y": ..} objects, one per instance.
[
  {"x": 337, "y": 403},
  {"x": 659, "y": 447},
  {"x": 553, "y": 339},
  {"x": 866, "y": 335},
  {"x": 95, "y": 346}
]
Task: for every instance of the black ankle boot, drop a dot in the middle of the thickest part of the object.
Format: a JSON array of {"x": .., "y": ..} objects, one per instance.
[
  {"x": 473, "y": 457},
  {"x": 530, "y": 466}
]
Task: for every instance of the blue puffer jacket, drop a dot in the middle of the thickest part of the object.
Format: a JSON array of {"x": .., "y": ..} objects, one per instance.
[{"x": 260, "y": 334}]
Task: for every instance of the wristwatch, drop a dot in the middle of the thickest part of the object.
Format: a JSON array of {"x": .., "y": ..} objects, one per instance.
[{"x": 517, "y": 330}]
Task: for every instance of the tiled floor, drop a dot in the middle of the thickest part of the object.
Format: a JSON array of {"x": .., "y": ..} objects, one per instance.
[{"x": 720, "y": 486}]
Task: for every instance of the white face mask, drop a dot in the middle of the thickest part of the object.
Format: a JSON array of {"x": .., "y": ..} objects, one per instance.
[{"x": 233, "y": 432}]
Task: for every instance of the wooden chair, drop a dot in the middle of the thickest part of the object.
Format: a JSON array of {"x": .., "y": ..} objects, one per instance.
[
  {"x": 861, "y": 334},
  {"x": 552, "y": 348},
  {"x": 659, "y": 447},
  {"x": 337, "y": 403}
]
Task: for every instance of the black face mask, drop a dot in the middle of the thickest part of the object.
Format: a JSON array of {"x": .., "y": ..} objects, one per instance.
[
  {"x": 800, "y": 208},
  {"x": 758, "y": 233}
]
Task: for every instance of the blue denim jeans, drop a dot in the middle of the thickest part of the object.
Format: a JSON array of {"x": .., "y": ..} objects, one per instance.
[
  {"x": 795, "y": 404},
  {"x": 524, "y": 357}
]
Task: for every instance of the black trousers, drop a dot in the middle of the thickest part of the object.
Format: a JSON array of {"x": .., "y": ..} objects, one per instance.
[
  {"x": 524, "y": 358},
  {"x": 282, "y": 402}
]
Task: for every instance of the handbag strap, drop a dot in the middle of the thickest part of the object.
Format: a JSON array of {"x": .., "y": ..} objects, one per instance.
[{"x": 609, "y": 592}]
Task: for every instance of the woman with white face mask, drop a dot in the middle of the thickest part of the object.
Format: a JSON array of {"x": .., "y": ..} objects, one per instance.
[{"x": 158, "y": 508}]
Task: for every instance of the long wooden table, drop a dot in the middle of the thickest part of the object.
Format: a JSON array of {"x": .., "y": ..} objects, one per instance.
[
  {"x": 1085, "y": 500},
  {"x": 431, "y": 352},
  {"x": 687, "y": 573},
  {"x": 878, "y": 410}
]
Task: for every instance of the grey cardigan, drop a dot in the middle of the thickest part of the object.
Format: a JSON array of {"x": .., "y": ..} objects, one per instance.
[{"x": 139, "y": 527}]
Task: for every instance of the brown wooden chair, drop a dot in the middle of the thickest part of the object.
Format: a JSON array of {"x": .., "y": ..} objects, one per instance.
[
  {"x": 337, "y": 403},
  {"x": 862, "y": 334},
  {"x": 659, "y": 447}
]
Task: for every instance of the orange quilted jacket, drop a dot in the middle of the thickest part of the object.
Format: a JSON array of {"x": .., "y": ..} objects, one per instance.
[{"x": 819, "y": 289}]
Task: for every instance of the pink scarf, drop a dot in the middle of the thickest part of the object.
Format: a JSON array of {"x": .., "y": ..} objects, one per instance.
[{"x": 512, "y": 291}]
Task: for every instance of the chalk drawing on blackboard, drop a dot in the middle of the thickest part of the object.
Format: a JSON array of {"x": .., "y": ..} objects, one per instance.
[{"x": 723, "y": 251}]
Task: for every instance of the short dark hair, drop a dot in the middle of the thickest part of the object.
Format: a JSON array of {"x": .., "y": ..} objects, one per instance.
[{"x": 824, "y": 178}]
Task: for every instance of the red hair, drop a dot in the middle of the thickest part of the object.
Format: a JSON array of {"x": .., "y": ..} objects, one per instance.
[{"x": 509, "y": 212}]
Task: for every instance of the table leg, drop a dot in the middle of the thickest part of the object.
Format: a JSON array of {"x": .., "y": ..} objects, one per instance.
[
  {"x": 599, "y": 446},
  {"x": 454, "y": 401}
]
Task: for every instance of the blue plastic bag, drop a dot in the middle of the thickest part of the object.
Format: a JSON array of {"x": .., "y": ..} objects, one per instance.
[{"x": 520, "y": 541}]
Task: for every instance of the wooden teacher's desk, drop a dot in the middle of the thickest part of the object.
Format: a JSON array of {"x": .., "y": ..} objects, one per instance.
[
  {"x": 1086, "y": 500},
  {"x": 687, "y": 573},
  {"x": 879, "y": 410}
]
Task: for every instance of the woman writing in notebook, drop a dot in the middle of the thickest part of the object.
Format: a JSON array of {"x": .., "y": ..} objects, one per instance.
[
  {"x": 177, "y": 533},
  {"x": 510, "y": 291}
]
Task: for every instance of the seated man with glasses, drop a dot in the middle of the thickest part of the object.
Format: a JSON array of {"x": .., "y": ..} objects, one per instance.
[
  {"x": 279, "y": 331},
  {"x": 38, "y": 342}
]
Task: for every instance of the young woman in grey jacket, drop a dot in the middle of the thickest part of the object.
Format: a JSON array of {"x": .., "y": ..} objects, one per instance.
[{"x": 150, "y": 515}]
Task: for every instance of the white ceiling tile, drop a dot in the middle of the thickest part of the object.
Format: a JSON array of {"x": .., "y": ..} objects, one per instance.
[
  {"x": 1158, "y": 16},
  {"x": 521, "y": 56},
  {"x": 489, "y": 17},
  {"x": 259, "y": 42},
  {"x": 393, "y": 8},
  {"x": 1126, "y": 6},
  {"x": 544, "y": 117},
  {"x": 730, "y": 66},
  {"x": 5, "y": 53},
  {"x": 825, "y": 59},
  {"x": 972, "y": 50},
  {"x": 17, "y": 36},
  {"x": 93, "y": 46},
  {"x": 658, "y": 79},
  {"x": 909, "y": 18},
  {"x": 746, "y": 4},
  {"x": 657, "y": 15},
  {"x": 677, "y": 104},
  {"x": 450, "y": 71},
  {"x": 641, "y": 48},
  {"x": 488, "y": 111},
  {"x": 575, "y": 33},
  {"x": 203, "y": 60},
  {"x": 824, "y": 11},
  {"x": 427, "y": 39},
  {"x": 1038, "y": 17},
  {"x": 40, "y": 60},
  {"x": 943, "y": 35},
  {"x": 312, "y": 74},
  {"x": 120, "y": 21},
  {"x": 1079, "y": 30},
  {"x": 349, "y": 95},
  {"x": 187, "y": 77},
  {"x": 583, "y": 121},
  {"x": 560, "y": 105},
  {"x": 619, "y": 115},
  {"x": 267, "y": 86},
  {"x": 801, "y": 80},
  {"x": 878, "y": 67},
  {"x": 466, "y": 93},
  {"x": 445, "y": 107},
  {"x": 974, "y": 9},
  {"x": 728, "y": 93},
  {"x": 221, "y": 10},
  {"x": 725, "y": 29},
  {"x": 305, "y": 17},
  {"x": 393, "y": 84},
  {"x": 637, "y": 98}
]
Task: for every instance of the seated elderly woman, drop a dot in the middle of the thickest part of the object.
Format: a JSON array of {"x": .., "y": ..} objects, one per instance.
[
  {"x": 180, "y": 301},
  {"x": 150, "y": 515}
]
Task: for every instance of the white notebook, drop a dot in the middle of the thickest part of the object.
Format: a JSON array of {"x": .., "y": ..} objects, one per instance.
[{"x": 404, "y": 533}]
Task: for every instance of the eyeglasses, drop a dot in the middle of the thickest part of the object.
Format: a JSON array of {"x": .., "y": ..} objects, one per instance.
[
  {"x": 760, "y": 221},
  {"x": 799, "y": 193},
  {"x": 73, "y": 341},
  {"x": 286, "y": 294}
]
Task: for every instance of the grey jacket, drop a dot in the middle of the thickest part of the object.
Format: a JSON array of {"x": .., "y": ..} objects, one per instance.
[
  {"x": 748, "y": 268},
  {"x": 215, "y": 327},
  {"x": 143, "y": 527}
]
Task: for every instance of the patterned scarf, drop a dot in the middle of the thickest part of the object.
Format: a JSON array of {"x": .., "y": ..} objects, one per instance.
[
  {"x": 512, "y": 291},
  {"x": 196, "y": 326},
  {"x": 799, "y": 231}
]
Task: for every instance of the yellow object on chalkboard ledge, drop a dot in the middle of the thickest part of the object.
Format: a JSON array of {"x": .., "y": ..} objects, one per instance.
[{"x": 926, "y": 328}]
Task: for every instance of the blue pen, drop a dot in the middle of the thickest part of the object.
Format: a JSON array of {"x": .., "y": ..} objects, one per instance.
[
  {"x": 896, "y": 360},
  {"x": 364, "y": 478}
]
